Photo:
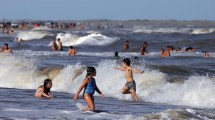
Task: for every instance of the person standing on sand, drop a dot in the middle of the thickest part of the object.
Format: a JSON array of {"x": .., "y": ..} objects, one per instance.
[{"x": 130, "y": 86}]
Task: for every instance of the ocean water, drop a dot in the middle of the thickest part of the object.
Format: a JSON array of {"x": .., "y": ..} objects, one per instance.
[{"x": 177, "y": 87}]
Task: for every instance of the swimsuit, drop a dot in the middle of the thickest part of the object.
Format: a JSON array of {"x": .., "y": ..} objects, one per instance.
[
  {"x": 131, "y": 85},
  {"x": 90, "y": 87}
]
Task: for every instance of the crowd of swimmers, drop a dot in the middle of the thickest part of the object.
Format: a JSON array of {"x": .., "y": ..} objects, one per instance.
[
  {"x": 59, "y": 47},
  {"x": 88, "y": 84},
  {"x": 164, "y": 52}
]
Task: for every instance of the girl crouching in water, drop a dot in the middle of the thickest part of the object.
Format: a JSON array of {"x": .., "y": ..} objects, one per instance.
[
  {"x": 44, "y": 90},
  {"x": 89, "y": 85}
]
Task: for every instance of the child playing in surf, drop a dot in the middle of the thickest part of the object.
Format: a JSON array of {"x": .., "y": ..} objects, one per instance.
[
  {"x": 89, "y": 85},
  {"x": 44, "y": 90},
  {"x": 130, "y": 86}
]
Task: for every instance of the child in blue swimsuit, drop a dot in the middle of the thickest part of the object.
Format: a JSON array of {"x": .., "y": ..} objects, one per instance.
[{"x": 89, "y": 85}]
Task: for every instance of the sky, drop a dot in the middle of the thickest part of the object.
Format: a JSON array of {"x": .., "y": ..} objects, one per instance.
[{"x": 107, "y": 9}]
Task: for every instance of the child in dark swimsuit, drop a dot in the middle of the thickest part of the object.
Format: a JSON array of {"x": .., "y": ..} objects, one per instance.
[{"x": 89, "y": 85}]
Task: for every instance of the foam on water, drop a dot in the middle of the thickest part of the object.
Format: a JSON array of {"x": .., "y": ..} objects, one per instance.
[
  {"x": 18, "y": 72},
  {"x": 152, "y": 86},
  {"x": 143, "y": 29},
  {"x": 42, "y": 28},
  {"x": 202, "y": 31},
  {"x": 68, "y": 39},
  {"x": 149, "y": 30},
  {"x": 33, "y": 34},
  {"x": 197, "y": 91}
]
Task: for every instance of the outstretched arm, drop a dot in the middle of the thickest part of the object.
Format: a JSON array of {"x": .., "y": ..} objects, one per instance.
[
  {"x": 80, "y": 88},
  {"x": 122, "y": 69},
  {"x": 137, "y": 71}
]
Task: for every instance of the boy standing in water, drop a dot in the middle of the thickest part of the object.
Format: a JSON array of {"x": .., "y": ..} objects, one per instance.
[
  {"x": 89, "y": 85},
  {"x": 130, "y": 86}
]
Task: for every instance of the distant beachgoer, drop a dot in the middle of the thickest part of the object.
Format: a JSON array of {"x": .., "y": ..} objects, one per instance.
[
  {"x": 54, "y": 44},
  {"x": 60, "y": 47},
  {"x": 116, "y": 55},
  {"x": 72, "y": 51},
  {"x": 12, "y": 30},
  {"x": 130, "y": 86},
  {"x": 126, "y": 45},
  {"x": 17, "y": 40},
  {"x": 207, "y": 54},
  {"x": 166, "y": 52},
  {"x": 161, "y": 52},
  {"x": 6, "y": 49},
  {"x": 136, "y": 61},
  {"x": 44, "y": 90},
  {"x": 190, "y": 49},
  {"x": 143, "y": 49},
  {"x": 89, "y": 85}
]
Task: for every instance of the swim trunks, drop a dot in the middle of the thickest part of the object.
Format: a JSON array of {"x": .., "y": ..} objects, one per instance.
[{"x": 131, "y": 85}]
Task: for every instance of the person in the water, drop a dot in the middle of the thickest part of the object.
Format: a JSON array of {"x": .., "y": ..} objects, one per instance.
[
  {"x": 72, "y": 51},
  {"x": 116, "y": 55},
  {"x": 44, "y": 90},
  {"x": 54, "y": 44},
  {"x": 89, "y": 85},
  {"x": 126, "y": 45},
  {"x": 130, "y": 86},
  {"x": 6, "y": 49}
]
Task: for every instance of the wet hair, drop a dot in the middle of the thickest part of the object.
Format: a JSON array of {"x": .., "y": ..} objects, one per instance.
[
  {"x": 90, "y": 71},
  {"x": 126, "y": 61},
  {"x": 136, "y": 58},
  {"x": 6, "y": 44},
  {"x": 116, "y": 54},
  {"x": 58, "y": 39},
  {"x": 46, "y": 90},
  {"x": 71, "y": 47}
]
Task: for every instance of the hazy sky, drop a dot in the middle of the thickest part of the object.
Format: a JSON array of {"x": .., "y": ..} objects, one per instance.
[{"x": 107, "y": 9}]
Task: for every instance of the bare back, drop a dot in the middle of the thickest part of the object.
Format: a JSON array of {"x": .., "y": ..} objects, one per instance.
[{"x": 72, "y": 52}]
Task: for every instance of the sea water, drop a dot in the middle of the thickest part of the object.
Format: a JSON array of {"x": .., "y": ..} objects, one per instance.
[{"x": 177, "y": 87}]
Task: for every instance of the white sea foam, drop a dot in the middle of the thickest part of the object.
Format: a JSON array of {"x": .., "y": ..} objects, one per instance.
[
  {"x": 30, "y": 35},
  {"x": 68, "y": 39},
  {"x": 42, "y": 28},
  {"x": 197, "y": 91},
  {"x": 149, "y": 30},
  {"x": 18, "y": 72},
  {"x": 152, "y": 86},
  {"x": 144, "y": 29},
  {"x": 202, "y": 31}
]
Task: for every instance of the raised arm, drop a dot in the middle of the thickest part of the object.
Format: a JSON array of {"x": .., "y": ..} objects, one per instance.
[{"x": 84, "y": 83}]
